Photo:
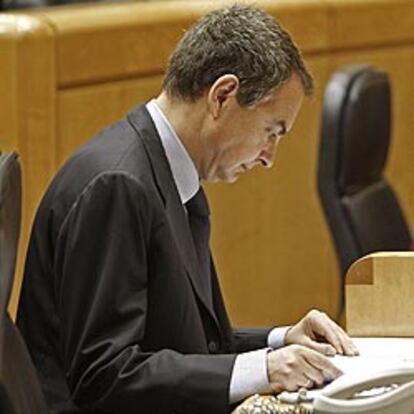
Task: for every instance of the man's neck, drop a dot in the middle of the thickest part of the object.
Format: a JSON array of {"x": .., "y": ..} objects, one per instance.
[{"x": 187, "y": 120}]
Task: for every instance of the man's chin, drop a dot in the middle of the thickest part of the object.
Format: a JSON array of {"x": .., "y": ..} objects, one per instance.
[
  {"x": 226, "y": 176},
  {"x": 232, "y": 178}
]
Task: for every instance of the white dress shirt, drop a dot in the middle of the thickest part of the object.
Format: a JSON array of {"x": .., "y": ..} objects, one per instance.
[{"x": 249, "y": 374}]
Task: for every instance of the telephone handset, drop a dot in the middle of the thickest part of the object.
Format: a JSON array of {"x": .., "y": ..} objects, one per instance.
[{"x": 386, "y": 392}]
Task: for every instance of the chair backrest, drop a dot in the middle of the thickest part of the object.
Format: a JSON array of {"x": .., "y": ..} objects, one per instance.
[
  {"x": 361, "y": 208},
  {"x": 10, "y": 212},
  {"x": 20, "y": 391}
]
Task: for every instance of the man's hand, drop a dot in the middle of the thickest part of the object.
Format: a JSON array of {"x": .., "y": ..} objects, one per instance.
[
  {"x": 320, "y": 333},
  {"x": 295, "y": 366}
]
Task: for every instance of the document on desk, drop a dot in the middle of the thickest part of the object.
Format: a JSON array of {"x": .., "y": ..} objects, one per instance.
[{"x": 377, "y": 354}]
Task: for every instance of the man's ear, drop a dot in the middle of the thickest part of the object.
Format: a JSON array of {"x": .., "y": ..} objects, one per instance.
[{"x": 224, "y": 88}]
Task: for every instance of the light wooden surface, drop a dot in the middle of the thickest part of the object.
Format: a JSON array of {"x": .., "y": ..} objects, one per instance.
[
  {"x": 27, "y": 111},
  {"x": 75, "y": 69},
  {"x": 77, "y": 114},
  {"x": 380, "y": 295},
  {"x": 136, "y": 39}
]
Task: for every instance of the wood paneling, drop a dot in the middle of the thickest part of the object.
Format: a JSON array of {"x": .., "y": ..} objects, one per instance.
[
  {"x": 27, "y": 114},
  {"x": 136, "y": 38},
  {"x": 379, "y": 295},
  {"x": 370, "y": 23},
  {"x": 83, "y": 111}
]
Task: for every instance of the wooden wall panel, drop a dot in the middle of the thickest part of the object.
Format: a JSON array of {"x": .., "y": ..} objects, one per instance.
[
  {"x": 357, "y": 24},
  {"x": 27, "y": 112},
  {"x": 8, "y": 86},
  {"x": 83, "y": 111},
  {"x": 136, "y": 39}
]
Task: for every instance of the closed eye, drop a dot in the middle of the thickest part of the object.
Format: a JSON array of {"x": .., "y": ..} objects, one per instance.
[
  {"x": 282, "y": 128},
  {"x": 278, "y": 130}
]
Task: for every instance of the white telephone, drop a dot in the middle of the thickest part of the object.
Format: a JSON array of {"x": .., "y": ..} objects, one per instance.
[{"x": 387, "y": 392}]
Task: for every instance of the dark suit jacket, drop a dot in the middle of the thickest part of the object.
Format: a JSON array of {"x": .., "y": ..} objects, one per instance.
[{"x": 112, "y": 308}]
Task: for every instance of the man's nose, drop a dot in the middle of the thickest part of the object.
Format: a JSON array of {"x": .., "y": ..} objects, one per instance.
[{"x": 267, "y": 156}]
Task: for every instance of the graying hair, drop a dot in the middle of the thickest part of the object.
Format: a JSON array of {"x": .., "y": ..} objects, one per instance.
[{"x": 241, "y": 40}]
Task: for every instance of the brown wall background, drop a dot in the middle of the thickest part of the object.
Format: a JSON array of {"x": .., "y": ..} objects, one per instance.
[{"x": 69, "y": 71}]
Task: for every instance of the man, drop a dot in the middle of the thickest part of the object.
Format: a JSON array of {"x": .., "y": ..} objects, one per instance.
[{"x": 121, "y": 306}]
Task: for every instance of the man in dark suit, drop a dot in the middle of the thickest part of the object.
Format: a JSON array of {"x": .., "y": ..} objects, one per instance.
[{"x": 121, "y": 306}]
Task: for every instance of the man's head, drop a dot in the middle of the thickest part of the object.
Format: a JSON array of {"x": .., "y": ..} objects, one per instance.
[
  {"x": 238, "y": 64},
  {"x": 240, "y": 40}
]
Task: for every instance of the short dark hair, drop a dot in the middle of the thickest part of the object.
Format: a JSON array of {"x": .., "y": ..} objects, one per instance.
[{"x": 241, "y": 40}]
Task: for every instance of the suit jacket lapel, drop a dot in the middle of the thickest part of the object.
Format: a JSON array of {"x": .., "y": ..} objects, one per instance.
[{"x": 143, "y": 125}]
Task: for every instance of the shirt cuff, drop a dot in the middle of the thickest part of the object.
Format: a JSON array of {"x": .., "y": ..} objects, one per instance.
[
  {"x": 276, "y": 337},
  {"x": 249, "y": 375}
]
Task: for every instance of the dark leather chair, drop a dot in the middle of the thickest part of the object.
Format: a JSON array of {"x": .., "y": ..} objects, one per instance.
[
  {"x": 360, "y": 206},
  {"x": 20, "y": 391}
]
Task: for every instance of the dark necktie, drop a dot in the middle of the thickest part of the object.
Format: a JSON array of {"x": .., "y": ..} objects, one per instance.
[{"x": 198, "y": 218}]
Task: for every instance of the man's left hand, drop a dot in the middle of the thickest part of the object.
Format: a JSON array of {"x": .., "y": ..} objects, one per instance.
[{"x": 320, "y": 333}]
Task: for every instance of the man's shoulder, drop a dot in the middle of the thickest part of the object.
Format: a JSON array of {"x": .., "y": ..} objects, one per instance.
[{"x": 117, "y": 150}]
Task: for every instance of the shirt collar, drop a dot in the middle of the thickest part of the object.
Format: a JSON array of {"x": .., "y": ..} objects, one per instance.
[{"x": 182, "y": 167}]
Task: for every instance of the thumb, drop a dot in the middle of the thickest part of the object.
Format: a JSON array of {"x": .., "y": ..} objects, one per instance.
[{"x": 324, "y": 349}]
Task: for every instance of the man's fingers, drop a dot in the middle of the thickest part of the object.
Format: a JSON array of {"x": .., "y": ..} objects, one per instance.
[
  {"x": 334, "y": 334},
  {"x": 324, "y": 329},
  {"x": 323, "y": 364},
  {"x": 325, "y": 349},
  {"x": 332, "y": 338},
  {"x": 348, "y": 346},
  {"x": 305, "y": 383},
  {"x": 314, "y": 376},
  {"x": 345, "y": 342},
  {"x": 297, "y": 366}
]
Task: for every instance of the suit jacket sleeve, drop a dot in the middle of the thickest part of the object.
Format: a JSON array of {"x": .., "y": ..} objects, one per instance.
[
  {"x": 101, "y": 283},
  {"x": 249, "y": 339}
]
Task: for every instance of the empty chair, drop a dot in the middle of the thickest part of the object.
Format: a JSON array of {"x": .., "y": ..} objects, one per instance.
[
  {"x": 20, "y": 391},
  {"x": 360, "y": 206}
]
